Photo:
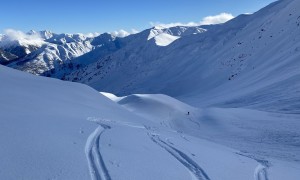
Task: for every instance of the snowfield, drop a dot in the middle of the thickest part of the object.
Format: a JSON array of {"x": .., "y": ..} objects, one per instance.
[
  {"x": 73, "y": 132},
  {"x": 215, "y": 102},
  {"x": 44, "y": 126},
  {"x": 269, "y": 138}
]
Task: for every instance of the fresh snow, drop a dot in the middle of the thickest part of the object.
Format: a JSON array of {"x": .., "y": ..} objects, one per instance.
[
  {"x": 73, "y": 132},
  {"x": 258, "y": 135},
  {"x": 44, "y": 126},
  {"x": 224, "y": 102}
]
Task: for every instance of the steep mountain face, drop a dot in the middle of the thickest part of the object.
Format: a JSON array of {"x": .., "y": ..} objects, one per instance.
[
  {"x": 128, "y": 53},
  {"x": 103, "y": 44},
  {"x": 5, "y": 57},
  {"x": 42, "y": 34},
  {"x": 54, "y": 55},
  {"x": 250, "y": 61},
  {"x": 57, "y": 55},
  {"x": 12, "y": 48}
]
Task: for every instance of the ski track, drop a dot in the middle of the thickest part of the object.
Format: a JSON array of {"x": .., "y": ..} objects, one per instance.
[
  {"x": 184, "y": 159},
  {"x": 261, "y": 172},
  {"x": 98, "y": 170}
]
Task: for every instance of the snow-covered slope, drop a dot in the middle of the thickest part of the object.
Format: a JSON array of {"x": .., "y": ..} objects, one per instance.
[
  {"x": 44, "y": 126},
  {"x": 129, "y": 52},
  {"x": 52, "y": 129},
  {"x": 229, "y": 126},
  {"x": 155, "y": 107},
  {"x": 56, "y": 55},
  {"x": 240, "y": 79},
  {"x": 250, "y": 61},
  {"x": 266, "y": 137}
]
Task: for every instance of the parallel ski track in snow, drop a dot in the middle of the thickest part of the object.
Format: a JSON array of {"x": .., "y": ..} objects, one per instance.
[
  {"x": 261, "y": 172},
  {"x": 98, "y": 170},
  {"x": 184, "y": 159}
]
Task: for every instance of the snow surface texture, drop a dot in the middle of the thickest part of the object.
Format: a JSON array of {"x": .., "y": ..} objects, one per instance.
[
  {"x": 118, "y": 144},
  {"x": 44, "y": 126},
  {"x": 261, "y": 136}
]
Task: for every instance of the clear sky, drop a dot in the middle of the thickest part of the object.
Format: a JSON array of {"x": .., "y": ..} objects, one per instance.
[{"x": 72, "y": 16}]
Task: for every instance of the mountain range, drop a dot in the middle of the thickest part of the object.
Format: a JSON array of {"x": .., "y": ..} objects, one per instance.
[
  {"x": 207, "y": 102},
  {"x": 184, "y": 62}
]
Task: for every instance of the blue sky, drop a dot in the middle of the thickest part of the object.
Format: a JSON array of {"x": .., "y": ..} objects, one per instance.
[{"x": 108, "y": 15}]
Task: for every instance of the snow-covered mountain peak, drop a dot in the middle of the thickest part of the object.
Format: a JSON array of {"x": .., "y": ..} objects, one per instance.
[
  {"x": 16, "y": 44},
  {"x": 163, "y": 39},
  {"x": 45, "y": 34},
  {"x": 103, "y": 39},
  {"x": 17, "y": 38},
  {"x": 165, "y": 36},
  {"x": 66, "y": 38},
  {"x": 154, "y": 32}
]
